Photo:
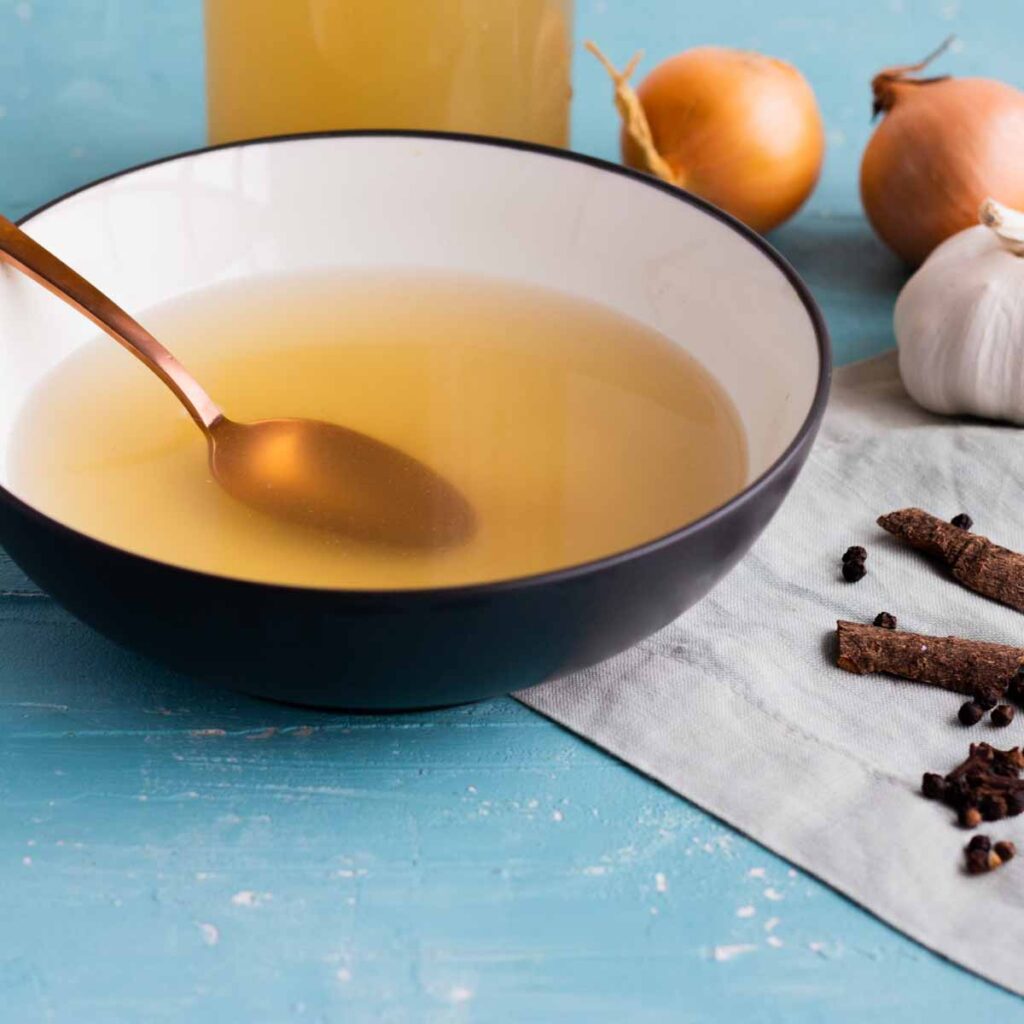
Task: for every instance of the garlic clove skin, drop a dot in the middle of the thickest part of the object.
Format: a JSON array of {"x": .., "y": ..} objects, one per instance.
[{"x": 959, "y": 324}]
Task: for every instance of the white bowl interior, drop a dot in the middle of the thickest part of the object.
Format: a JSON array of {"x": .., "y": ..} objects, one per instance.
[{"x": 282, "y": 207}]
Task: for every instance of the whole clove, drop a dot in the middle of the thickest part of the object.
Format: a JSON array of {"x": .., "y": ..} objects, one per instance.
[
  {"x": 974, "y": 561},
  {"x": 1002, "y": 716},
  {"x": 986, "y": 786},
  {"x": 933, "y": 786},
  {"x": 992, "y": 808},
  {"x": 971, "y": 667},
  {"x": 883, "y": 620}
]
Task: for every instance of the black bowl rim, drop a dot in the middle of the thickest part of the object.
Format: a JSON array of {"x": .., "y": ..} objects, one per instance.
[{"x": 479, "y": 590}]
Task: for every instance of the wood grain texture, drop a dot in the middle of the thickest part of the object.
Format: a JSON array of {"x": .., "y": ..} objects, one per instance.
[{"x": 172, "y": 854}]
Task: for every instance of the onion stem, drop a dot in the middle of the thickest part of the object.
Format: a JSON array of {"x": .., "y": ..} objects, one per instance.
[{"x": 631, "y": 111}]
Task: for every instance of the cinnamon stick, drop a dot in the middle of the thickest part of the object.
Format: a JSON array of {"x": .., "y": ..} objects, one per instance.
[
  {"x": 971, "y": 667},
  {"x": 974, "y": 561}
]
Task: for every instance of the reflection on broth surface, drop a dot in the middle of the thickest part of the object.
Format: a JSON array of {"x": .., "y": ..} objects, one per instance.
[{"x": 573, "y": 431}]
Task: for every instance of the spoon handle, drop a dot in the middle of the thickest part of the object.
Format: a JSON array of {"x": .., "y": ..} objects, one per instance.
[{"x": 28, "y": 256}]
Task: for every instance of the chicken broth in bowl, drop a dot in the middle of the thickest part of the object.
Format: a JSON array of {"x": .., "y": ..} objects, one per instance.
[{"x": 573, "y": 431}]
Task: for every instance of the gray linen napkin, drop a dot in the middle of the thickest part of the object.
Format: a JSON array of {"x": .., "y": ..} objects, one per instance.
[{"x": 739, "y": 707}]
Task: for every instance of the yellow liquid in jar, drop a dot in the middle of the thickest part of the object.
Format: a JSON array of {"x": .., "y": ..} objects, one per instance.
[
  {"x": 494, "y": 67},
  {"x": 574, "y": 432}
]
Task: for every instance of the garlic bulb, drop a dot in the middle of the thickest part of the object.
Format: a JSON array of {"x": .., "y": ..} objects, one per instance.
[{"x": 960, "y": 321}]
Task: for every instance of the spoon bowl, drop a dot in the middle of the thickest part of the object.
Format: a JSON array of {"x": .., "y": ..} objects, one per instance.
[{"x": 329, "y": 477}]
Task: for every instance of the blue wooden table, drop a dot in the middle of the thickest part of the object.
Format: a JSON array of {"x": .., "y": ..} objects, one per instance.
[{"x": 168, "y": 854}]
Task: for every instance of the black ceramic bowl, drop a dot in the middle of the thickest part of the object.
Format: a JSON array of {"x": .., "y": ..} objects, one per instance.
[{"x": 412, "y": 199}]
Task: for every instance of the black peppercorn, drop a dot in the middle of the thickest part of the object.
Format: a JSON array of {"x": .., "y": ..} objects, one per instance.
[
  {"x": 1003, "y": 715},
  {"x": 962, "y": 521},
  {"x": 855, "y": 554},
  {"x": 982, "y": 843},
  {"x": 1005, "y": 850},
  {"x": 984, "y": 701},
  {"x": 933, "y": 786},
  {"x": 854, "y": 571},
  {"x": 970, "y": 713},
  {"x": 885, "y": 621}
]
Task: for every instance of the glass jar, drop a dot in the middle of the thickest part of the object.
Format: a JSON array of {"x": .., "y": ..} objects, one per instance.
[{"x": 493, "y": 67}]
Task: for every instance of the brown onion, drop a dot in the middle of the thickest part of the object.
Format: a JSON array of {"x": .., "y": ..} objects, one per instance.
[
  {"x": 944, "y": 145},
  {"x": 740, "y": 129}
]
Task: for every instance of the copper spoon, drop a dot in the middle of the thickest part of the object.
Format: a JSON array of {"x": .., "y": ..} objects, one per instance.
[{"x": 307, "y": 471}]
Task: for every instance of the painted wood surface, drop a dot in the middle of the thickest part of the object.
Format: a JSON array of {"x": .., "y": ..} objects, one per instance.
[{"x": 173, "y": 854}]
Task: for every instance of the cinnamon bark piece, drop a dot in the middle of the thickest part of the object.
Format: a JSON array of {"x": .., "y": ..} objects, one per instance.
[
  {"x": 974, "y": 561},
  {"x": 971, "y": 667}
]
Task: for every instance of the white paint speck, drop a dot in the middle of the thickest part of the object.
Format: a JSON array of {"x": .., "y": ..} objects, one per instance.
[
  {"x": 27, "y": 861},
  {"x": 774, "y": 941},
  {"x": 30, "y": 842},
  {"x": 756, "y": 873},
  {"x": 949, "y": 10},
  {"x": 557, "y": 816},
  {"x": 654, "y": 911},
  {"x": 344, "y": 873},
  {"x": 202, "y": 876},
  {"x": 660, "y": 882},
  {"x": 209, "y": 933},
  {"x": 724, "y": 953},
  {"x": 771, "y": 924},
  {"x": 343, "y": 974},
  {"x": 817, "y": 947},
  {"x": 460, "y": 994},
  {"x": 596, "y": 869},
  {"x": 471, "y": 789},
  {"x": 772, "y": 894},
  {"x": 23, "y": 11},
  {"x": 142, "y": 798},
  {"x": 791, "y": 872},
  {"x": 747, "y": 911},
  {"x": 248, "y": 898}
]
